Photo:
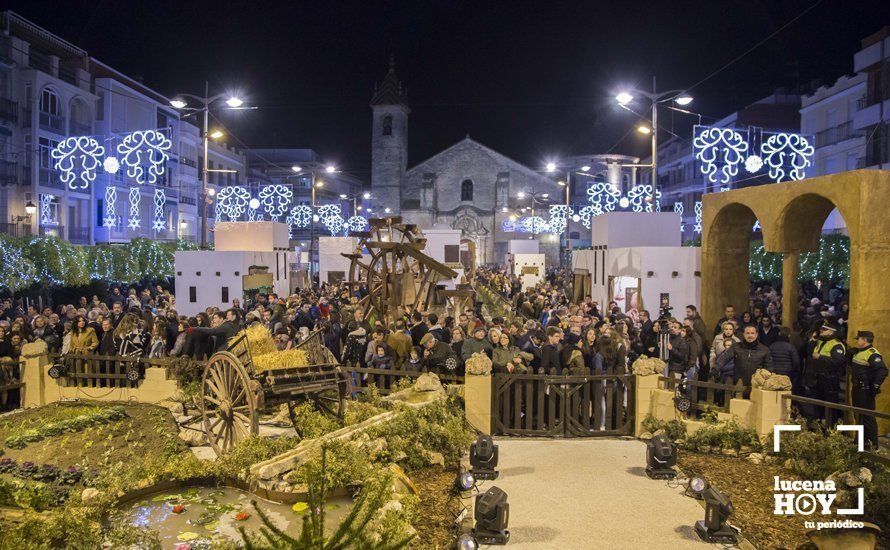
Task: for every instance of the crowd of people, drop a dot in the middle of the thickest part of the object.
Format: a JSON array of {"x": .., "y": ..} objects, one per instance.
[{"x": 545, "y": 333}]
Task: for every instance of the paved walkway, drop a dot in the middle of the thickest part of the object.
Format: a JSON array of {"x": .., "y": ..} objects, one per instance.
[{"x": 591, "y": 493}]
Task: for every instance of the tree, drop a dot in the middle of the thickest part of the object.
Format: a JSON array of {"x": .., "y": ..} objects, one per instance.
[
  {"x": 830, "y": 264},
  {"x": 17, "y": 271},
  {"x": 58, "y": 262}
]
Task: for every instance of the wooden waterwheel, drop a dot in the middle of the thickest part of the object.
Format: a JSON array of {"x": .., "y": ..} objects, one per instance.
[
  {"x": 229, "y": 407},
  {"x": 390, "y": 263}
]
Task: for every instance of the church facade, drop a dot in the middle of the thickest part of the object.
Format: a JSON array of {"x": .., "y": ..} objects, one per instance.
[{"x": 468, "y": 186}]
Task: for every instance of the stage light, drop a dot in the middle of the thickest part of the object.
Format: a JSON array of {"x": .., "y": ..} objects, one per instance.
[
  {"x": 698, "y": 485},
  {"x": 330, "y": 169},
  {"x": 681, "y": 401},
  {"x": 551, "y": 166},
  {"x": 484, "y": 458},
  {"x": 464, "y": 481},
  {"x": 492, "y": 514},
  {"x": 343, "y": 196},
  {"x": 718, "y": 508},
  {"x": 661, "y": 457},
  {"x": 467, "y": 542}
]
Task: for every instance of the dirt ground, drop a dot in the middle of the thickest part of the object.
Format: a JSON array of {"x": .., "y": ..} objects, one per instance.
[
  {"x": 436, "y": 510},
  {"x": 750, "y": 486},
  {"x": 148, "y": 430}
]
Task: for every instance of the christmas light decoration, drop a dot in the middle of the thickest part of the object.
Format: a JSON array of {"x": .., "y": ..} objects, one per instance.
[
  {"x": 276, "y": 199},
  {"x": 559, "y": 218},
  {"x": 145, "y": 155},
  {"x": 47, "y": 214},
  {"x": 134, "y": 221},
  {"x": 641, "y": 199},
  {"x": 698, "y": 217},
  {"x": 232, "y": 201},
  {"x": 110, "y": 219},
  {"x": 753, "y": 163},
  {"x": 603, "y": 197},
  {"x": 508, "y": 226},
  {"x": 533, "y": 224},
  {"x": 782, "y": 151},
  {"x": 356, "y": 224},
  {"x": 720, "y": 151},
  {"x": 160, "y": 200},
  {"x": 111, "y": 165},
  {"x": 330, "y": 217},
  {"x": 678, "y": 208},
  {"x": 585, "y": 214},
  {"x": 300, "y": 216},
  {"x": 77, "y": 159},
  {"x": 725, "y": 188}
]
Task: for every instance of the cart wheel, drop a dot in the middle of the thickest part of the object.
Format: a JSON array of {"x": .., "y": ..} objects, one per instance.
[
  {"x": 228, "y": 406},
  {"x": 332, "y": 402}
]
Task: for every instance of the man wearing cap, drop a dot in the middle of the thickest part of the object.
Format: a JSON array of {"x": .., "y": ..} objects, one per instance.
[
  {"x": 869, "y": 372},
  {"x": 826, "y": 366},
  {"x": 438, "y": 356},
  {"x": 477, "y": 344}
]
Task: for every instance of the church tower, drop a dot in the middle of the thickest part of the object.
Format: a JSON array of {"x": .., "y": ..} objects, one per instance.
[{"x": 389, "y": 143}]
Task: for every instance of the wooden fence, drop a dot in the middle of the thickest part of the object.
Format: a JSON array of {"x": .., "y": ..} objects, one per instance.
[
  {"x": 563, "y": 406},
  {"x": 387, "y": 379},
  {"x": 10, "y": 385},
  {"x": 707, "y": 395},
  {"x": 101, "y": 371}
]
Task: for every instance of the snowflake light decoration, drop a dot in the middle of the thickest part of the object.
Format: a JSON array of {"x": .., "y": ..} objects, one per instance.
[
  {"x": 720, "y": 151},
  {"x": 77, "y": 159},
  {"x": 232, "y": 201},
  {"x": 698, "y": 215},
  {"x": 275, "y": 200},
  {"x": 145, "y": 155},
  {"x": 160, "y": 200},
  {"x": 330, "y": 217},
  {"x": 134, "y": 222},
  {"x": 787, "y": 150},
  {"x": 559, "y": 218},
  {"x": 300, "y": 215},
  {"x": 603, "y": 197},
  {"x": 111, "y": 165},
  {"x": 508, "y": 225},
  {"x": 110, "y": 219},
  {"x": 357, "y": 223},
  {"x": 533, "y": 224},
  {"x": 585, "y": 214},
  {"x": 753, "y": 163}
]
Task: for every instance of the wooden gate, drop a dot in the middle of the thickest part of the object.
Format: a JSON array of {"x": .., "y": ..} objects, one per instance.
[{"x": 563, "y": 406}]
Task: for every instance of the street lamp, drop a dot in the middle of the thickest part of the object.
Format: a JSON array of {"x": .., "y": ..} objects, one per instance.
[
  {"x": 296, "y": 168},
  {"x": 626, "y": 97},
  {"x": 205, "y": 102},
  {"x": 30, "y": 208}
]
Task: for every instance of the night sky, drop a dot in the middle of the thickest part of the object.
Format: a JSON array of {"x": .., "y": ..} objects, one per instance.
[{"x": 533, "y": 80}]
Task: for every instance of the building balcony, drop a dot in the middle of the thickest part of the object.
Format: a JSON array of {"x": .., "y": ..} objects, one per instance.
[
  {"x": 836, "y": 134},
  {"x": 52, "y": 231},
  {"x": 52, "y": 123},
  {"x": 9, "y": 110},
  {"x": 68, "y": 74},
  {"x": 868, "y": 116},
  {"x": 79, "y": 235},
  {"x": 15, "y": 229},
  {"x": 188, "y": 162},
  {"x": 9, "y": 172},
  {"x": 79, "y": 128},
  {"x": 39, "y": 60},
  {"x": 49, "y": 177}
]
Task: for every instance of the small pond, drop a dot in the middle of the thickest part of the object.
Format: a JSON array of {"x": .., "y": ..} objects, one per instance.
[{"x": 213, "y": 513}]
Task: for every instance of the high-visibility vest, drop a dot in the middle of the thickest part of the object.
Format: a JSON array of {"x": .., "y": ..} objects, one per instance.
[
  {"x": 824, "y": 348},
  {"x": 862, "y": 357}
]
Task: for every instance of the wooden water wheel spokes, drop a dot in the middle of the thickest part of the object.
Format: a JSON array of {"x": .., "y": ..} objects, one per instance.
[{"x": 228, "y": 404}]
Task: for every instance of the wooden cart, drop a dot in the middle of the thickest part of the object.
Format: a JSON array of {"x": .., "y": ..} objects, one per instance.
[{"x": 234, "y": 395}]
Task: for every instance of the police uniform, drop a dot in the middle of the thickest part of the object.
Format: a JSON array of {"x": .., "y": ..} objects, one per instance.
[
  {"x": 869, "y": 372},
  {"x": 826, "y": 370}
]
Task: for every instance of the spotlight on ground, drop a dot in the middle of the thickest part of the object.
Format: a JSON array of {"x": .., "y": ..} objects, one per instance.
[
  {"x": 681, "y": 400},
  {"x": 492, "y": 516},
  {"x": 484, "y": 458},
  {"x": 718, "y": 508},
  {"x": 464, "y": 481},
  {"x": 467, "y": 542},
  {"x": 661, "y": 457},
  {"x": 696, "y": 487}
]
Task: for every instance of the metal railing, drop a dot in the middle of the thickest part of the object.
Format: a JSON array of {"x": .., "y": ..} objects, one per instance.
[
  {"x": 79, "y": 235},
  {"x": 15, "y": 229},
  {"x": 10, "y": 385},
  {"x": 38, "y": 60},
  {"x": 52, "y": 123},
  {"x": 839, "y": 133},
  {"x": 9, "y": 172},
  {"x": 52, "y": 231}
]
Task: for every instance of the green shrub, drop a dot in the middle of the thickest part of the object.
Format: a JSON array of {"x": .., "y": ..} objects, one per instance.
[
  {"x": 725, "y": 435},
  {"x": 816, "y": 455},
  {"x": 345, "y": 463},
  {"x": 674, "y": 429}
]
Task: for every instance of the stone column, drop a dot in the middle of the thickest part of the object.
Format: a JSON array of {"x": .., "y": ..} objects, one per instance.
[
  {"x": 790, "y": 288},
  {"x": 477, "y": 402}
]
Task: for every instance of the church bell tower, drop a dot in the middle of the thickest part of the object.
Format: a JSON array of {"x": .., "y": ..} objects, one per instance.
[{"x": 389, "y": 143}]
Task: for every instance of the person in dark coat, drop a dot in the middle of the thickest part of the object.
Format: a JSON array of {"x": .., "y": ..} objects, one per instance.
[
  {"x": 678, "y": 350},
  {"x": 418, "y": 329},
  {"x": 223, "y": 330},
  {"x": 868, "y": 374},
  {"x": 768, "y": 333},
  {"x": 748, "y": 355},
  {"x": 550, "y": 353},
  {"x": 786, "y": 360}
]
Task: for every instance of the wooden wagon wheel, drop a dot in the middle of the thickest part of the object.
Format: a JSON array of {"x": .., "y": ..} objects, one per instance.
[
  {"x": 332, "y": 402},
  {"x": 228, "y": 404}
]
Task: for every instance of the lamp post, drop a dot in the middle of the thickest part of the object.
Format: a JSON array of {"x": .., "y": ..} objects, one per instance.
[
  {"x": 232, "y": 103},
  {"x": 354, "y": 198},
  {"x": 680, "y": 97},
  {"x": 315, "y": 183},
  {"x": 536, "y": 197}
]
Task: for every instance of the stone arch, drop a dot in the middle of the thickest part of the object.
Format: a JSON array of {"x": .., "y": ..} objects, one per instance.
[
  {"x": 79, "y": 116},
  {"x": 53, "y": 106},
  {"x": 800, "y": 222}
]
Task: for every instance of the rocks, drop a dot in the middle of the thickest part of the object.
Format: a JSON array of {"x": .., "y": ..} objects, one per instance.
[
  {"x": 375, "y": 448},
  {"x": 658, "y": 432},
  {"x": 35, "y": 348},
  {"x": 645, "y": 436},
  {"x": 90, "y": 496},
  {"x": 479, "y": 364},
  {"x": 765, "y": 380},
  {"x": 192, "y": 437},
  {"x": 175, "y": 407},
  {"x": 853, "y": 478},
  {"x": 401, "y": 483},
  {"x": 645, "y": 366},
  {"x": 428, "y": 381},
  {"x": 755, "y": 458},
  {"x": 434, "y": 458}
]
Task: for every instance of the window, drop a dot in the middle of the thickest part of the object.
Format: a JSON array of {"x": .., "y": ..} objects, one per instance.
[
  {"x": 99, "y": 212},
  {"x": 225, "y": 295},
  {"x": 452, "y": 253},
  {"x": 193, "y": 294},
  {"x": 387, "y": 125},
  {"x": 466, "y": 190},
  {"x": 50, "y": 102},
  {"x": 45, "y": 145}
]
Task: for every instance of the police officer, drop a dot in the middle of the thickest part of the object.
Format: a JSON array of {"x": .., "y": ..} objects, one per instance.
[
  {"x": 826, "y": 367},
  {"x": 869, "y": 372}
]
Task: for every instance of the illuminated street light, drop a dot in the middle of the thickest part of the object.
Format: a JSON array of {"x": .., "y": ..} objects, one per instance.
[
  {"x": 366, "y": 196},
  {"x": 211, "y": 191},
  {"x": 645, "y": 130},
  {"x": 234, "y": 102},
  {"x": 216, "y": 134},
  {"x": 683, "y": 100},
  {"x": 319, "y": 184},
  {"x": 551, "y": 166},
  {"x": 624, "y": 98},
  {"x": 343, "y": 196},
  {"x": 387, "y": 210},
  {"x": 561, "y": 183},
  {"x": 585, "y": 168},
  {"x": 296, "y": 168},
  {"x": 30, "y": 208},
  {"x": 330, "y": 169},
  {"x": 178, "y": 102},
  {"x": 521, "y": 195},
  {"x": 546, "y": 196}
]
